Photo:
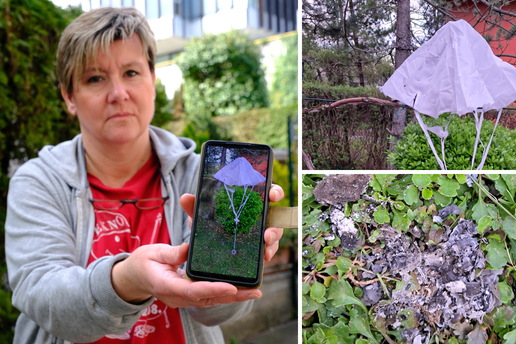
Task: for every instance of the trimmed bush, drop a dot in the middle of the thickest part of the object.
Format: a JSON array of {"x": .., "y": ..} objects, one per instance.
[
  {"x": 413, "y": 152},
  {"x": 224, "y": 213}
]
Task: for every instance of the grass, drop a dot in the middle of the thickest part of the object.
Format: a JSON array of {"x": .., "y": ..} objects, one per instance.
[{"x": 213, "y": 246}]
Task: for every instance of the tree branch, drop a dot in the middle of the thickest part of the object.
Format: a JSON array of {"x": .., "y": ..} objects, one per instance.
[
  {"x": 496, "y": 9},
  {"x": 440, "y": 9}
]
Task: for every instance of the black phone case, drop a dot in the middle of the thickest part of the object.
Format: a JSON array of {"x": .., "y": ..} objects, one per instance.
[{"x": 236, "y": 281}]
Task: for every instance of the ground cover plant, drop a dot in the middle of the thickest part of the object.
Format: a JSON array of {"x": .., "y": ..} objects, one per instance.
[
  {"x": 423, "y": 258},
  {"x": 412, "y": 151}
]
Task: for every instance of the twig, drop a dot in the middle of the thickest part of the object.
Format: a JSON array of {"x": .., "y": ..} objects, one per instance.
[
  {"x": 383, "y": 285},
  {"x": 360, "y": 283}
]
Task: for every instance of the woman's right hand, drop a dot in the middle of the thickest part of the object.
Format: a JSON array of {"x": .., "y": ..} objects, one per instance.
[{"x": 153, "y": 270}]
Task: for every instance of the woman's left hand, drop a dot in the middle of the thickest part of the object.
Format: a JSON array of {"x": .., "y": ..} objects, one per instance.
[{"x": 272, "y": 234}]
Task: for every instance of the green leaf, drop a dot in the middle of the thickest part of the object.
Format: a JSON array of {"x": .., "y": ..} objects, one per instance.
[
  {"x": 306, "y": 288},
  {"x": 510, "y": 181},
  {"x": 509, "y": 227},
  {"x": 496, "y": 254},
  {"x": 441, "y": 200},
  {"x": 461, "y": 178},
  {"x": 510, "y": 337},
  {"x": 485, "y": 222},
  {"x": 342, "y": 331},
  {"x": 331, "y": 270},
  {"x": 359, "y": 323},
  {"x": 453, "y": 340},
  {"x": 317, "y": 292},
  {"x": 501, "y": 186},
  {"x": 426, "y": 193},
  {"x": 411, "y": 194},
  {"x": 422, "y": 180},
  {"x": 506, "y": 292},
  {"x": 381, "y": 216},
  {"x": 504, "y": 316},
  {"x": 479, "y": 210},
  {"x": 410, "y": 318},
  {"x": 401, "y": 220},
  {"x": 342, "y": 294},
  {"x": 448, "y": 187},
  {"x": 309, "y": 305},
  {"x": 344, "y": 264}
]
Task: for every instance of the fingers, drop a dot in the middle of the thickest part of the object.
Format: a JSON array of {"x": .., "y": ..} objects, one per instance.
[
  {"x": 241, "y": 296},
  {"x": 196, "y": 291},
  {"x": 187, "y": 202},
  {"x": 172, "y": 255},
  {"x": 276, "y": 193},
  {"x": 272, "y": 237}
]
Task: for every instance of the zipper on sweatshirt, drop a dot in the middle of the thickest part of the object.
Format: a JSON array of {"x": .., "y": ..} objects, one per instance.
[{"x": 78, "y": 235}]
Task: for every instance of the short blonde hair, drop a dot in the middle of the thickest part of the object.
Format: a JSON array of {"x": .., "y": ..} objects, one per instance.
[{"x": 96, "y": 29}]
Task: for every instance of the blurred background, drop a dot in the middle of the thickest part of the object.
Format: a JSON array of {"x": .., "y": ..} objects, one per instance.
[{"x": 225, "y": 70}]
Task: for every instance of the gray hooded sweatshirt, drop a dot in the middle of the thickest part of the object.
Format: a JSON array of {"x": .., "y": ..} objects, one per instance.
[{"x": 49, "y": 233}]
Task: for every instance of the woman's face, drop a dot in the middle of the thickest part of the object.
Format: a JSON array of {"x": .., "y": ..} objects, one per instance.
[{"x": 115, "y": 102}]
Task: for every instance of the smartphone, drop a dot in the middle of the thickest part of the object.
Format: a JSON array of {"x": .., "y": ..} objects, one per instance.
[{"x": 230, "y": 214}]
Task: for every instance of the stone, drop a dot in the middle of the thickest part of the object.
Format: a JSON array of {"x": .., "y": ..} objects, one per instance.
[{"x": 341, "y": 188}]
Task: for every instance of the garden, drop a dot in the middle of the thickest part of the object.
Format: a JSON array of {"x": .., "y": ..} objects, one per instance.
[
  {"x": 371, "y": 70},
  {"x": 215, "y": 237},
  {"x": 422, "y": 258}
]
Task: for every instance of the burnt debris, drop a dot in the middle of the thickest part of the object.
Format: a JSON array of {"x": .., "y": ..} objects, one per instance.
[{"x": 440, "y": 285}]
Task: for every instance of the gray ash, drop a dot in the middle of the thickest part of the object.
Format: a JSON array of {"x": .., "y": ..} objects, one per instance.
[
  {"x": 440, "y": 283},
  {"x": 344, "y": 227}
]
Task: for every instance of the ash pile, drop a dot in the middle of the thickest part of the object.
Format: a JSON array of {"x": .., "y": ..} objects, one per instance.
[{"x": 439, "y": 287}]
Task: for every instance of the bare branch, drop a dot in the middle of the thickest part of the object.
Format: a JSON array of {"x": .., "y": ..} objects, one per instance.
[
  {"x": 440, "y": 9},
  {"x": 496, "y": 9}
]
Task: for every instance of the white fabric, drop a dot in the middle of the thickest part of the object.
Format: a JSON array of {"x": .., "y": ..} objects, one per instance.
[
  {"x": 455, "y": 71},
  {"x": 239, "y": 172}
]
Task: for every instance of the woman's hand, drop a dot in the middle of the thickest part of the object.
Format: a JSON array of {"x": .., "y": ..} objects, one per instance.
[
  {"x": 153, "y": 270},
  {"x": 272, "y": 235}
]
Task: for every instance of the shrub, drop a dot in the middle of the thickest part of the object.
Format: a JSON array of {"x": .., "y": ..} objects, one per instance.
[
  {"x": 413, "y": 152},
  {"x": 224, "y": 213}
]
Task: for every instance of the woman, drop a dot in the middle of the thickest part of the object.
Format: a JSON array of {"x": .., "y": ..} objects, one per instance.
[{"x": 82, "y": 273}]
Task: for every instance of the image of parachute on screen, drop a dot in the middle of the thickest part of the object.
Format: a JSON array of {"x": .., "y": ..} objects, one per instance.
[{"x": 229, "y": 220}]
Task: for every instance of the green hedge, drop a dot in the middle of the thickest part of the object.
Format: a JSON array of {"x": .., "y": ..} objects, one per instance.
[
  {"x": 252, "y": 209},
  {"x": 413, "y": 152}
]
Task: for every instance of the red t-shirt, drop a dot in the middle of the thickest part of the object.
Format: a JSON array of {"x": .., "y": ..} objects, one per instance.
[{"x": 126, "y": 229}]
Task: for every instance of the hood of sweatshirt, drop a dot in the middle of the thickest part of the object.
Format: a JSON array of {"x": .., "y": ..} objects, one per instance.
[{"x": 67, "y": 159}]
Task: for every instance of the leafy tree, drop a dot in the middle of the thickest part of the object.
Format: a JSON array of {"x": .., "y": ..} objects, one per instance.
[
  {"x": 222, "y": 75},
  {"x": 284, "y": 85},
  {"x": 32, "y": 113},
  {"x": 162, "y": 105}
]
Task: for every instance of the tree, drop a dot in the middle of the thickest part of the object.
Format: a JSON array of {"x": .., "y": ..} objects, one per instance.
[
  {"x": 32, "y": 113},
  {"x": 222, "y": 75},
  {"x": 284, "y": 85}
]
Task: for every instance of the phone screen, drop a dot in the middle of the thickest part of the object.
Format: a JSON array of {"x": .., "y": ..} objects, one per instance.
[{"x": 230, "y": 213}]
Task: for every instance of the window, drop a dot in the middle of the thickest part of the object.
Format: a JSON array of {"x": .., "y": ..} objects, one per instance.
[
  {"x": 152, "y": 9},
  {"x": 166, "y": 7}
]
